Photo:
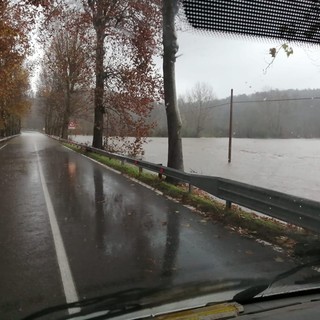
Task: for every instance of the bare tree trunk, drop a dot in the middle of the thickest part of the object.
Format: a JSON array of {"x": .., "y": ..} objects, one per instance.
[
  {"x": 65, "y": 125},
  {"x": 99, "y": 90},
  {"x": 170, "y": 46},
  {"x": 66, "y": 117}
]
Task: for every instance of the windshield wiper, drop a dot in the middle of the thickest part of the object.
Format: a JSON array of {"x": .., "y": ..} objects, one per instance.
[
  {"x": 251, "y": 292},
  {"x": 141, "y": 298},
  {"x": 111, "y": 302}
]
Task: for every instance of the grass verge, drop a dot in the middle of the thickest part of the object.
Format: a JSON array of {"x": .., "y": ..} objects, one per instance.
[{"x": 248, "y": 224}]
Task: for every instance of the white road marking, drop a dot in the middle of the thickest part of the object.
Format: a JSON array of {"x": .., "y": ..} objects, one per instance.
[
  {"x": 3, "y": 146},
  {"x": 65, "y": 271}
]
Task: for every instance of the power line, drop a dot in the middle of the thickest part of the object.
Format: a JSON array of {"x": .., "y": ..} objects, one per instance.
[
  {"x": 264, "y": 100},
  {"x": 277, "y": 100}
]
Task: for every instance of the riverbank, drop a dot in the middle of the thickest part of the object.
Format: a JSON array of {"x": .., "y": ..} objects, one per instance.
[{"x": 290, "y": 166}]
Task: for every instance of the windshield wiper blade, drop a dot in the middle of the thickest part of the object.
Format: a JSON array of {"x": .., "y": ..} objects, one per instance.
[
  {"x": 110, "y": 302},
  {"x": 140, "y": 298},
  {"x": 253, "y": 291}
]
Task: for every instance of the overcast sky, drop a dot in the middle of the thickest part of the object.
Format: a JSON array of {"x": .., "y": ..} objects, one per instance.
[
  {"x": 227, "y": 62},
  {"x": 237, "y": 63}
]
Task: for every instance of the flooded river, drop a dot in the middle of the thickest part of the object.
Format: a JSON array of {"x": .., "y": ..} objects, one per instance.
[{"x": 287, "y": 165}]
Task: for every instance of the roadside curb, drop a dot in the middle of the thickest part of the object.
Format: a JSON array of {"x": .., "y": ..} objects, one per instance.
[{"x": 8, "y": 138}]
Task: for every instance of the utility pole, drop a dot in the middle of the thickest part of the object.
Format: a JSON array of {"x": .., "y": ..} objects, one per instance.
[{"x": 230, "y": 127}]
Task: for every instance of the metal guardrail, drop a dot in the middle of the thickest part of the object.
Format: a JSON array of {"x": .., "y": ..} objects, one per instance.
[{"x": 291, "y": 209}]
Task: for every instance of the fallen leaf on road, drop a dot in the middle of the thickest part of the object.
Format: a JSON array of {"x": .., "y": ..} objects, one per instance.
[
  {"x": 204, "y": 221},
  {"x": 187, "y": 225},
  {"x": 278, "y": 259},
  {"x": 285, "y": 241}
]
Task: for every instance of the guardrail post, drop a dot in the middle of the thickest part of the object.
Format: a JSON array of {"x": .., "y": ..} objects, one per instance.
[
  {"x": 160, "y": 171},
  {"x": 228, "y": 204},
  {"x": 122, "y": 162},
  {"x": 190, "y": 188},
  {"x": 140, "y": 170}
]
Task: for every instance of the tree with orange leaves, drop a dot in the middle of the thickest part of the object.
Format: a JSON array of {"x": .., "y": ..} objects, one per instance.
[
  {"x": 14, "y": 82},
  {"x": 124, "y": 36},
  {"x": 66, "y": 68},
  {"x": 126, "y": 39}
]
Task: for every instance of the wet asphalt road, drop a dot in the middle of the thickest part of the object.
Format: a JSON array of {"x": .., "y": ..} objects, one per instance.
[{"x": 115, "y": 232}]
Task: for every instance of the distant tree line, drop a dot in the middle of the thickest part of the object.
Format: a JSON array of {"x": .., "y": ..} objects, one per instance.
[
  {"x": 291, "y": 114},
  {"x": 209, "y": 117}
]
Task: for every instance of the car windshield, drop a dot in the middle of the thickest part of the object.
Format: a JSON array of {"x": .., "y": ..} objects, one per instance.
[{"x": 150, "y": 155}]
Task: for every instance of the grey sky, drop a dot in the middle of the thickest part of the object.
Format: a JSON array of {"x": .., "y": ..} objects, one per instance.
[{"x": 226, "y": 63}]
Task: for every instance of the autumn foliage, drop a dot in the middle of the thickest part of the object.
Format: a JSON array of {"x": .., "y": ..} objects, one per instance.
[
  {"x": 66, "y": 69},
  {"x": 14, "y": 82},
  {"x": 120, "y": 39},
  {"x": 126, "y": 38}
]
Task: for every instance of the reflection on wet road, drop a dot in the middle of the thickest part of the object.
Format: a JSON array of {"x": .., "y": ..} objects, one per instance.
[{"x": 116, "y": 233}]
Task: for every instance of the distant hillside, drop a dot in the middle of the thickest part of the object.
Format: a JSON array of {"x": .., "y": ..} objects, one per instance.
[
  {"x": 256, "y": 116},
  {"x": 295, "y": 115}
]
